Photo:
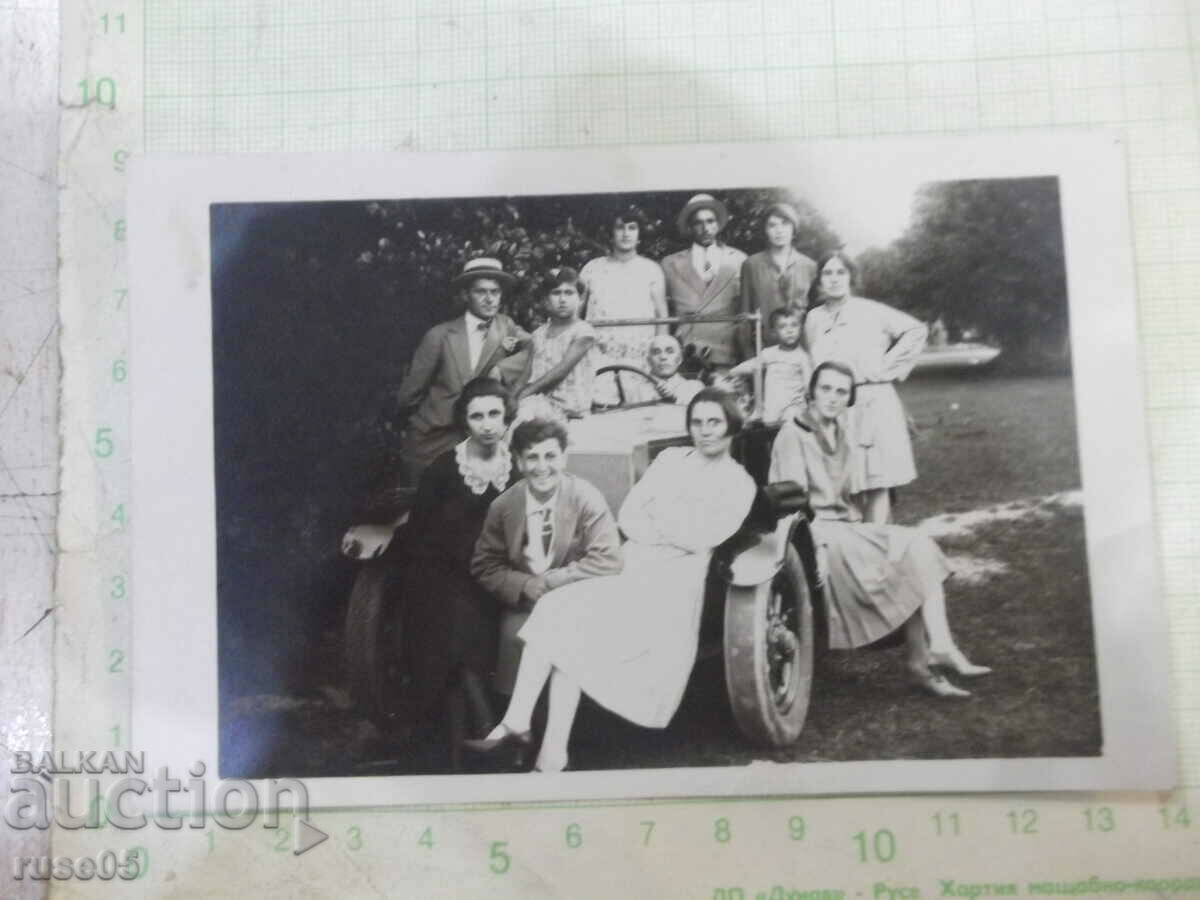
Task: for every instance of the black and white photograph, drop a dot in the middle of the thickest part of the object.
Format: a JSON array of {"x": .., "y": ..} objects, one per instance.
[{"x": 717, "y": 480}]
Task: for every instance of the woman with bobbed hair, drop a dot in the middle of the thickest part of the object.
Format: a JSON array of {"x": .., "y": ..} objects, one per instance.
[
  {"x": 629, "y": 641},
  {"x": 450, "y": 622},
  {"x": 877, "y": 578},
  {"x": 880, "y": 344}
]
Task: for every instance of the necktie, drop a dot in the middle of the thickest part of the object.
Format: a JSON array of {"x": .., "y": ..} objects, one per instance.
[
  {"x": 547, "y": 531},
  {"x": 482, "y": 327}
]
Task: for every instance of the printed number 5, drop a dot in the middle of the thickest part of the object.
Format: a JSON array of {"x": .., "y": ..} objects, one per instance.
[
  {"x": 104, "y": 444},
  {"x": 501, "y": 861}
]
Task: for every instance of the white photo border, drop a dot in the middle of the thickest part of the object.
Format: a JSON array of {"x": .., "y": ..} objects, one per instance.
[{"x": 175, "y": 700}]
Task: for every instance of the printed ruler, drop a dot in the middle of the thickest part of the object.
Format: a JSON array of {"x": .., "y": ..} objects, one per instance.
[{"x": 892, "y": 848}]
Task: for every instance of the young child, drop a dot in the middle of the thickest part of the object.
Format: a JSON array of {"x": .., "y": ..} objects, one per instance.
[
  {"x": 786, "y": 366},
  {"x": 561, "y": 361}
]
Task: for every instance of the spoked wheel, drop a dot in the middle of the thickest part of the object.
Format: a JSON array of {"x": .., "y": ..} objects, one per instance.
[
  {"x": 769, "y": 655},
  {"x": 373, "y": 633}
]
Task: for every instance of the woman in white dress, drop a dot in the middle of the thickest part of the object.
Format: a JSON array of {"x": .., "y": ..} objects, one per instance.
[
  {"x": 629, "y": 641},
  {"x": 880, "y": 344},
  {"x": 624, "y": 285},
  {"x": 877, "y": 578}
]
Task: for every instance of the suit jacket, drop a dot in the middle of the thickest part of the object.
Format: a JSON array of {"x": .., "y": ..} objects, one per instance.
[
  {"x": 687, "y": 294},
  {"x": 586, "y": 541},
  {"x": 439, "y": 369}
]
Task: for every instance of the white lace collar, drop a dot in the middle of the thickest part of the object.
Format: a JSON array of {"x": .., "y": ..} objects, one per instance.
[{"x": 479, "y": 473}]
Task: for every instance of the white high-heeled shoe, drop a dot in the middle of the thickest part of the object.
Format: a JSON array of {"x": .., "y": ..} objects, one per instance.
[
  {"x": 938, "y": 685},
  {"x": 956, "y": 662},
  {"x": 544, "y": 763}
]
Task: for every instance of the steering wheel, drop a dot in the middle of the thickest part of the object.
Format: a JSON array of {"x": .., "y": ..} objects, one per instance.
[{"x": 625, "y": 367}]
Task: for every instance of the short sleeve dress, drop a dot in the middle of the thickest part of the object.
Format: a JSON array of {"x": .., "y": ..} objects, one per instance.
[
  {"x": 623, "y": 289},
  {"x": 573, "y": 395},
  {"x": 879, "y": 575},
  {"x": 629, "y": 640},
  {"x": 450, "y": 621},
  {"x": 880, "y": 344}
]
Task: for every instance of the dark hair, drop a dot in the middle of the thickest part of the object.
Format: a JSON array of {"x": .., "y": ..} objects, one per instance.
[
  {"x": 833, "y": 365},
  {"x": 482, "y": 387},
  {"x": 784, "y": 311},
  {"x": 724, "y": 399},
  {"x": 534, "y": 431},
  {"x": 629, "y": 214},
  {"x": 564, "y": 275},
  {"x": 814, "y": 290}
]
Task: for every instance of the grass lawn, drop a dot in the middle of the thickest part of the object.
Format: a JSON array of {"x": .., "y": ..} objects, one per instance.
[{"x": 984, "y": 440}]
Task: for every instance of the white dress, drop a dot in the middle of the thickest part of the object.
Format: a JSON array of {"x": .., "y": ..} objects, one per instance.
[{"x": 629, "y": 640}]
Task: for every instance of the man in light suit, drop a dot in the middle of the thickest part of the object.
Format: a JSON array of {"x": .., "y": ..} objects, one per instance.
[
  {"x": 547, "y": 530},
  {"x": 705, "y": 279},
  {"x": 449, "y": 356}
]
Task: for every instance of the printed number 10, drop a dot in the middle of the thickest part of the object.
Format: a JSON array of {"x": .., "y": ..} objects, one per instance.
[
  {"x": 117, "y": 23},
  {"x": 104, "y": 92},
  {"x": 883, "y": 843}
]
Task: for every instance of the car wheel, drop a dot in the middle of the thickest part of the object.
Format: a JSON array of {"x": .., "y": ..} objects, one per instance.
[
  {"x": 769, "y": 655},
  {"x": 372, "y": 635}
]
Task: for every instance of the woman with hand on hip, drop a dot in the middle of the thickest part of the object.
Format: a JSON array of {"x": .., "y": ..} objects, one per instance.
[
  {"x": 629, "y": 641},
  {"x": 880, "y": 345},
  {"x": 877, "y": 578}
]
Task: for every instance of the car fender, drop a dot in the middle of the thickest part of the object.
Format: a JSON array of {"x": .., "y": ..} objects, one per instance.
[{"x": 760, "y": 562}]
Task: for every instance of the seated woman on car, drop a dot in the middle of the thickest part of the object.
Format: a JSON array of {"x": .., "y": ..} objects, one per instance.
[
  {"x": 450, "y": 627},
  {"x": 877, "y": 578},
  {"x": 629, "y": 641}
]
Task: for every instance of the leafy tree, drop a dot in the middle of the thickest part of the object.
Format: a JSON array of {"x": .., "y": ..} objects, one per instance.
[
  {"x": 987, "y": 256},
  {"x": 418, "y": 246}
]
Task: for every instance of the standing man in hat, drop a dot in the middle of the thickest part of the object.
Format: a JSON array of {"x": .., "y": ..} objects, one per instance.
[
  {"x": 705, "y": 280},
  {"x": 449, "y": 356},
  {"x": 775, "y": 278}
]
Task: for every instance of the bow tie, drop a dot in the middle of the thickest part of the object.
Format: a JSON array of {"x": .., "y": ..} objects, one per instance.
[{"x": 482, "y": 327}]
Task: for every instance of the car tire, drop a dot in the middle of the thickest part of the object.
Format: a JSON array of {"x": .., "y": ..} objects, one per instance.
[
  {"x": 769, "y": 650},
  {"x": 372, "y": 640}
]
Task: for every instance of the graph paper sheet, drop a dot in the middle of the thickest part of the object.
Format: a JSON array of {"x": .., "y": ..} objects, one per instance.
[{"x": 225, "y": 77}]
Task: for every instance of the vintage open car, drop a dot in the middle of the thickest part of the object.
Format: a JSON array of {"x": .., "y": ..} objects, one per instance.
[{"x": 757, "y": 615}]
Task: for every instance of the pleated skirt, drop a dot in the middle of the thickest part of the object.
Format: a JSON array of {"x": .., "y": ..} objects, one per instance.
[{"x": 879, "y": 575}]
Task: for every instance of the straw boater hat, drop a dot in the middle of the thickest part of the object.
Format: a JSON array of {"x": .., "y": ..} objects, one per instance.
[
  {"x": 701, "y": 201},
  {"x": 482, "y": 267}
]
